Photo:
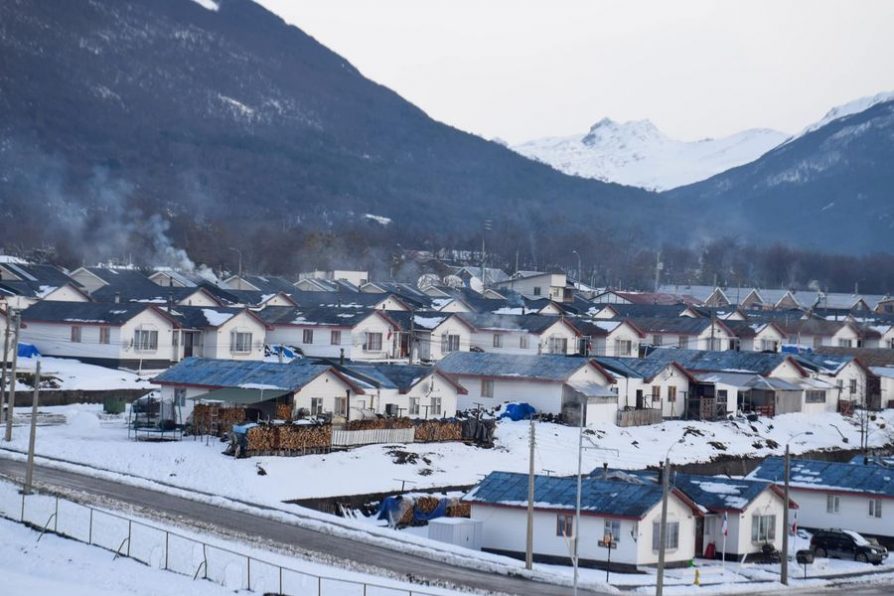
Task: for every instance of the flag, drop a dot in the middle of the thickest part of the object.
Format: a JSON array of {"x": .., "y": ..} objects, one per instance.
[{"x": 725, "y": 527}]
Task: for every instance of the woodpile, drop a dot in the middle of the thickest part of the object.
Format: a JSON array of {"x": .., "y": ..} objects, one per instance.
[
  {"x": 212, "y": 419},
  {"x": 432, "y": 431},
  {"x": 426, "y": 504},
  {"x": 283, "y": 411},
  {"x": 379, "y": 424},
  {"x": 289, "y": 439}
]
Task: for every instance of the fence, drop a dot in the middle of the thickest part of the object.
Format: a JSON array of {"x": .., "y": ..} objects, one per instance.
[
  {"x": 347, "y": 438},
  {"x": 639, "y": 417},
  {"x": 162, "y": 549}
]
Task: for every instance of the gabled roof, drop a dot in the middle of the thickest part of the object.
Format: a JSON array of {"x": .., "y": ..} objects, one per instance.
[
  {"x": 547, "y": 367},
  {"x": 602, "y": 327},
  {"x": 147, "y": 292},
  {"x": 722, "y": 361},
  {"x": 202, "y": 317},
  {"x": 827, "y": 475},
  {"x": 676, "y": 325},
  {"x": 603, "y": 497},
  {"x": 39, "y": 290},
  {"x": 86, "y": 312},
  {"x": 642, "y": 310},
  {"x": 645, "y": 298},
  {"x": 531, "y": 323},
  {"x": 37, "y": 275},
  {"x": 207, "y": 372},
  {"x": 323, "y": 316},
  {"x": 402, "y": 377},
  {"x": 868, "y": 356},
  {"x": 270, "y": 284},
  {"x": 717, "y": 493}
]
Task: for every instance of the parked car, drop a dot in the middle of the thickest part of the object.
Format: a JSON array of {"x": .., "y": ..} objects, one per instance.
[{"x": 846, "y": 544}]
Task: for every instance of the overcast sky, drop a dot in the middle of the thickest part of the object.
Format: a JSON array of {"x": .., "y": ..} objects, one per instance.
[{"x": 518, "y": 69}]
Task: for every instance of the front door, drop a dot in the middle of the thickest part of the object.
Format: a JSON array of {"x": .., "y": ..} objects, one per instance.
[
  {"x": 188, "y": 344},
  {"x": 699, "y": 537},
  {"x": 639, "y": 399}
]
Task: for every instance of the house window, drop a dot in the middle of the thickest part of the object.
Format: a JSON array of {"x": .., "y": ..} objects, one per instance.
[
  {"x": 498, "y": 340},
  {"x": 105, "y": 335},
  {"x": 817, "y": 341},
  {"x": 558, "y": 345},
  {"x": 763, "y": 528},
  {"x": 335, "y": 337},
  {"x": 307, "y": 336},
  {"x": 832, "y": 503},
  {"x": 875, "y": 507},
  {"x": 414, "y": 406},
  {"x": 523, "y": 342},
  {"x": 145, "y": 340},
  {"x": 75, "y": 334},
  {"x": 672, "y": 539},
  {"x": 844, "y": 343},
  {"x": 852, "y": 386},
  {"x": 180, "y": 396},
  {"x": 240, "y": 342},
  {"x": 487, "y": 388},
  {"x": 565, "y": 525},
  {"x": 671, "y": 393},
  {"x": 373, "y": 342},
  {"x": 316, "y": 406},
  {"x": 435, "y": 409},
  {"x": 613, "y": 528},
  {"x": 683, "y": 342},
  {"x": 815, "y": 397},
  {"x": 623, "y": 347},
  {"x": 656, "y": 393},
  {"x": 536, "y": 290},
  {"x": 656, "y": 340},
  {"x": 341, "y": 406},
  {"x": 769, "y": 345},
  {"x": 449, "y": 343},
  {"x": 722, "y": 399}
]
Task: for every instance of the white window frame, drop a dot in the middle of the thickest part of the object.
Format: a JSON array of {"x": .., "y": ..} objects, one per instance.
[
  {"x": 627, "y": 346},
  {"x": 763, "y": 528},
  {"x": 335, "y": 337},
  {"x": 558, "y": 345},
  {"x": 671, "y": 539},
  {"x": 316, "y": 406},
  {"x": 341, "y": 405},
  {"x": 77, "y": 333},
  {"x": 307, "y": 336},
  {"x": 875, "y": 508},
  {"x": 565, "y": 525},
  {"x": 145, "y": 340},
  {"x": 373, "y": 341},
  {"x": 498, "y": 340},
  {"x": 612, "y": 526},
  {"x": 105, "y": 335},
  {"x": 523, "y": 341},
  {"x": 240, "y": 342},
  {"x": 180, "y": 396},
  {"x": 449, "y": 343},
  {"x": 487, "y": 387},
  {"x": 833, "y": 504},
  {"x": 414, "y": 406},
  {"x": 435, "y": 406}
]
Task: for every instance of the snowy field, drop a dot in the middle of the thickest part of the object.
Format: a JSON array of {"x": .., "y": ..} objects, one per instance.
[
  {"x": 198, "y": 463},
  {"x": 68, "y": 374}
]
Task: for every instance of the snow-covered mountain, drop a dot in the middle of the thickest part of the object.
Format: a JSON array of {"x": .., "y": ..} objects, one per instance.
[
  {"x": 638, "y": 154},
  {"x": 851, "y": 107}
]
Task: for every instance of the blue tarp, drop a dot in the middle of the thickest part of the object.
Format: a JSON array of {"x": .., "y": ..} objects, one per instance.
[
  {"x": 389, "y": 507},
  {"x": 518, "y": 411},
  {"x": 439, "y": 511},
  {"x": 241, "y": 429},
  {"x": 28, "y": 350}
]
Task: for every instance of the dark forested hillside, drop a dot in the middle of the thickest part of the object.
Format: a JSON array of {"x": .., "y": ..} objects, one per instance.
[{"x": 130, "y": 124}]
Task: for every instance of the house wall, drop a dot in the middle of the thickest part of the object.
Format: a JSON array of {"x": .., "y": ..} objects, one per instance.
[
  {"x": 198, "y": 298},
  {"x": 550, "y": 286},
  {"x": 669, "y": 377},
  {"x": 723, "y": 339},
  {"x": 351, "y": 339},
  {"x": 450, "y": 326},
  {"x": 432, "y": 387},
  {"x": 545, "y": 396},
  {"x": 454, "y": 306},
  {"x": 90, "y": 282},
  {"x": 853, "y": 512},
  {"x": 278, "y": 300},
  {"x": 186, "y": 405},
  {"x": 217, "y": 342},
  {"x": 769, "y": 333},
  {"x": 559, "y": 330},
  {"x": 622, "y": 332},
  {"x": 328, "y": 386},
  {"x": 66, "y": 294},
  {"x": 149, "y": 320},
  {"x": 738, "y": 540}
]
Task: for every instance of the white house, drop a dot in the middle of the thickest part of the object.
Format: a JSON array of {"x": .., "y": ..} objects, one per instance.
[
  {"x": 625, "y": 513},
  {"x": 223, "y": 333},
  {"x": 405, "y": 390},
  {"x": 687, "y": 332},
  {"x": 551, "y": 383},
  {"x": 128, "y": 335},
  {"x": 353, "y": 277},
  {"x": 886, "y": 382},
  {"x": 837, "y": 495},
  {"x": 355, "y": 334},
  {"x": 753, "y": 510},
  {"x": 554, "y": 286},
  {"x": 610, "y": 338},
  {"x": 522, "y": 334}
]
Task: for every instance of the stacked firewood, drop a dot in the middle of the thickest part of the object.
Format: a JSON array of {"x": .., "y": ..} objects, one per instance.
[
  {"x": 212, "y": 419},
  {"x": 283, "y": 411},
  {"x": 430, "y": 431},
  {"x": 291, "y": 438},
  {"x": 379, "y": 424}
]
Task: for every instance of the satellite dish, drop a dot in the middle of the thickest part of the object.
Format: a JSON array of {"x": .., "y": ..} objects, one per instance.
[
  {"x": 427, "y": 280},
  {"x": 453, "y": 281}
]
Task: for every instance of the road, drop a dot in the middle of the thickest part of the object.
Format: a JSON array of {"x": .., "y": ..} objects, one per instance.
[{"x": 286, "y": 534}]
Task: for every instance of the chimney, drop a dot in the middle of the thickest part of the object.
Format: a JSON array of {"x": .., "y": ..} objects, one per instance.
[
  {"x": 341, "y": 356},
  {"x": 117, "y": 297},
  {"x": 605, "y": 470},
  {"x": 661, "y": 473}
]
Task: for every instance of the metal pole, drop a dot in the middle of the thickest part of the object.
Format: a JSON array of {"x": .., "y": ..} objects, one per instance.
[
  {"x": 662, "y": 531},
  {"x": 529, "y": 542},
  {"x": 783, "y": 574},
  {"x": 580, "y": 451},
  {"x": 5, "y": 360},
  {"x": 29, "y": 471},
  {"x": 11, "y": 400}
]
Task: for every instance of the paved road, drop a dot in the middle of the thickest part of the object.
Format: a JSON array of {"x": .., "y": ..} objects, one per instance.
[{"x": 287, "y": 534}]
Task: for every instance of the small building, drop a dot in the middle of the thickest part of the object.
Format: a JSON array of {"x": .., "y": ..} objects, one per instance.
[
  {"x": 837, "y": 495},
  {"x": 522, "y": 334},
  {"x": 628, "y": 512},
  {"x": 554, "y": 286}
]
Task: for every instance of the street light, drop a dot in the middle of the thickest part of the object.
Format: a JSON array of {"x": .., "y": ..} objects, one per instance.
[
  {"x": 783, "y": 574},
  {"x": 580, "y": 451},
  {"x": 662, "y": 531}
]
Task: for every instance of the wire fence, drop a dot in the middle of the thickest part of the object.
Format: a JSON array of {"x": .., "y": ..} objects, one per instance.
[{"x": 166, "y": 550}]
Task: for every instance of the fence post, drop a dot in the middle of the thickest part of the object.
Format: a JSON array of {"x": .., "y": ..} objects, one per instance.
[
  {"x": 319, "y": 586},
  {"x": 22, "y": 516},
  {"x": 280, "y": 579},
  {"x": 56, "y": 518},
  {"x": 129, "y": 525},
  {"x": 248, "y": 559},
  {"x": 90, "y": 531},
  {"x": 167, "y": 547}
]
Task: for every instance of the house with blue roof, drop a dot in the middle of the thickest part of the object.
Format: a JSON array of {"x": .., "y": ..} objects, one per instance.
[
  {"x": 551, "y": 383},
  {"x": 837, "y": 495},
  {"x": 626, "y": 513}
]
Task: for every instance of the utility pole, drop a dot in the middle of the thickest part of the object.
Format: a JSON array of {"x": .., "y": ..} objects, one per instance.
[
  {"x": 11, "y": 393},
  {"x": 580, "y": 450},
  {"x": 529, "y": 548},
  {"x": 29, "y": 471},
  {"x": 783, "y": 574},
  {"x": 411, "y": 340},
  {"x": 658, "y": 267},
  {"x": 662, "y": 531},
  {"x": 5, "y": 360}
]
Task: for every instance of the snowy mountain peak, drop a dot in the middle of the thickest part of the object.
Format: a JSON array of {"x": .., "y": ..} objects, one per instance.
[
  {"x": 851, "y": 107},
  {"x": 607, "y": 129}
]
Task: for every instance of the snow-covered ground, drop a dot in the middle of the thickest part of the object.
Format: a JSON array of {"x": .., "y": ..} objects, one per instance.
[
  {"x": 199, "y": 464},
  {"x": 71, "y": 374}
]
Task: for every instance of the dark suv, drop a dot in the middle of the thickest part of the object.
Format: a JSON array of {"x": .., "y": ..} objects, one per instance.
[{"x": 846, "y": 544}]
